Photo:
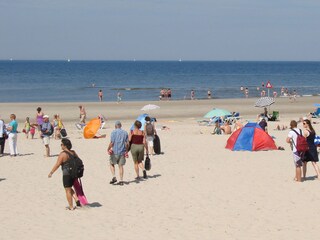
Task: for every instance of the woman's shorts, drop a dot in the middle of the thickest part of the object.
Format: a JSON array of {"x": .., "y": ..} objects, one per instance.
[
  {"x": 67, "y": 181},
  {"x": 137, "y": 152}
]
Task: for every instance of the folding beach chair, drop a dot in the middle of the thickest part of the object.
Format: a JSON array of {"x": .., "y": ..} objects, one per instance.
[
  {"x": 316, "y": 114},
  {"x": 233, "y": 118},
  {"x": 275, "y": 116}
]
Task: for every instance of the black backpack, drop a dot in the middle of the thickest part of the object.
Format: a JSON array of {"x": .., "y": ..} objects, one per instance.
[{"x": 76, "y": 167}]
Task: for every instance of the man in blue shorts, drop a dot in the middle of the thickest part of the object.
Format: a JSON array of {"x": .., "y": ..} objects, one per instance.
[{"x": 117, "y": 150}]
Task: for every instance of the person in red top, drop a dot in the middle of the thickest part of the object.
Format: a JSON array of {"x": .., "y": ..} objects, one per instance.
[{"x": 138, "y": 144}]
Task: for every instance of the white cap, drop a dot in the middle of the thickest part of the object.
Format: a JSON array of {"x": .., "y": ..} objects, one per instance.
[
  {"x": 305, "y": 118},
  {"x": 45, "y": 116}
]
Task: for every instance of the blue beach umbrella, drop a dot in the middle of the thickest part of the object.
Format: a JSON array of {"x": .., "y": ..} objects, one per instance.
[{"x": 217, "y": 112}]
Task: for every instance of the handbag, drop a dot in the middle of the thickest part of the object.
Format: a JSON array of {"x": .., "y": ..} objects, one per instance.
[{"x": 147, "y": 164}]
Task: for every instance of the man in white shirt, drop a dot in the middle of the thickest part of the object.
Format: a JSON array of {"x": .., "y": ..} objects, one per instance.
[{"x": 292, "y": 140}]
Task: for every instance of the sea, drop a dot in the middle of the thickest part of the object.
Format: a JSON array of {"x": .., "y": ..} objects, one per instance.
[{"x": 80, "y": 81}]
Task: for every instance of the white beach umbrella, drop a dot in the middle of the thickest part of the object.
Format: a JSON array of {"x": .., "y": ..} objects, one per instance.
[
  {"x": 264, "y": 102},
  {"x": 149, "y": 107}
]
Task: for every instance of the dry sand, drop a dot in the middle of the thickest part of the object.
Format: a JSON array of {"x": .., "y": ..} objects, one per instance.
[{"x": 196, "y": 189}]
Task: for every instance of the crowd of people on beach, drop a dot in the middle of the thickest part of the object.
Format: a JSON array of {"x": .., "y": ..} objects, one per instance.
[
  {"x": 223, "y": 126},
  {"x": 264, "y": 92},
  {"x": 138, "y": 141}
]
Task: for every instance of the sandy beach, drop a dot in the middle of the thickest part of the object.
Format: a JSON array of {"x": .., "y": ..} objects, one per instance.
[{"x": 196, "y": 189}]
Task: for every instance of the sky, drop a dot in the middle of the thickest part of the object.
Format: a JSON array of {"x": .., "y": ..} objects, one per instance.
[{"x": 273, "y": 30}]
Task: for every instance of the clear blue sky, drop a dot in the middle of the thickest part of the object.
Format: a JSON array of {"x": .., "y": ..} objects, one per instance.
[{"x": 160, "y": 29}]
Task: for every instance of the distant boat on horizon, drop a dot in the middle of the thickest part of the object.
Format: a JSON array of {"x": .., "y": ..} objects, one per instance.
[
  {"x": 180, "y": 60},
  {"x": 68, "y": 60}
]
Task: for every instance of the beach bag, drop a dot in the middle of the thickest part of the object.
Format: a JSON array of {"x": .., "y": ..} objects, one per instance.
[
  {"x": 147, "y": 163},
  {"x": 317, "y": 140},
  {"x": 63, "y": 132},
  {"x": 302, "y": 144},
  {"x": 76, "y": 167}
]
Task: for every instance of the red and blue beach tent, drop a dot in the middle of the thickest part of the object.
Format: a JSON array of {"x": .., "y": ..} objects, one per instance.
[{"x": 250, "y": 138}]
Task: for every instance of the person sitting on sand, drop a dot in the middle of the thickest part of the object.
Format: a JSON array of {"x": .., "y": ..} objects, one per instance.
[
  {"x": 281, "y": 127},
  {"x": 217, "y": 129},
  {"x": 226, "y": 128},
  {"x": 237, "y": 125},
  {"x": 63, "y": 161},
  {"x": 263, "y": 124},
  {"x": 265, "y": 114}
]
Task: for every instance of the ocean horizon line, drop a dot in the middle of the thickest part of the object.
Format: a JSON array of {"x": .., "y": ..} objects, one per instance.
[{"x": 146, "y": 60}]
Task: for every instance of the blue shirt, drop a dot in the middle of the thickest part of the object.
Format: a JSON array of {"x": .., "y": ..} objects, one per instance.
[
  {"x": 119, "y": 138},
  {"x": 46, "y": 126},
  {"x": 14, "y": 126}
]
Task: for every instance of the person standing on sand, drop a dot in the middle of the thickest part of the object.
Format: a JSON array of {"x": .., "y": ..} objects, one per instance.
[
  {"x": 117, "y": 149},
  {"x": 150, "y": 131},
  {"x": 311, "y": 155},
  {"x": 39, "y": 119},
  {"x": 63, "y": 161},
  {"x": 82, "y": 115},
  {"x": 27, "y": 127},
  {"x": 138, "y": 144},
  {"x": 46, "y": 131},
  {"x": 292, "y": 140},
  {"x": 100, "y": 95},
  {"x": 13, "y": 136},
  {"x": 2, "y": 138}
]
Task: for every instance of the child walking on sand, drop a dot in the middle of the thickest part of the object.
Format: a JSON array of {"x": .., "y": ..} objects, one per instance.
[
  {"x": 27, "y": 127},
  {"x": 32, "y": 131}
]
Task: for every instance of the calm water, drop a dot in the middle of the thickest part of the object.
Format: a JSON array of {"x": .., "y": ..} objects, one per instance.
[{"x": 59, "y": 81}]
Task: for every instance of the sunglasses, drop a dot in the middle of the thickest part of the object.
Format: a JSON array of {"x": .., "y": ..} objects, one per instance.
[{"x": 304, "y": 123}]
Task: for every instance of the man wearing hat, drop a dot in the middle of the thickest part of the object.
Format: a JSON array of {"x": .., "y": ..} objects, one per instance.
[
  {"x": 46, "y": 132},
  {"x": 117, "y": 150}
]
